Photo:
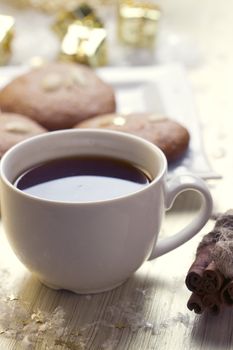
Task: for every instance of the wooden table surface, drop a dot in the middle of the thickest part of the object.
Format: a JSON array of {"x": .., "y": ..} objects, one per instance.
[{"x": 148, "y": 311}]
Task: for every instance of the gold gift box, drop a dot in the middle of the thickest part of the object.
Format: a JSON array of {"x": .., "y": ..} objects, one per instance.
[
  {"x": 83, "y": 36},
  {"x": 6, "y": 36},
  {"x": 138, "y": 22},
  {"x": 65, "y": 18},
  {"x": 85, "y": 45}
]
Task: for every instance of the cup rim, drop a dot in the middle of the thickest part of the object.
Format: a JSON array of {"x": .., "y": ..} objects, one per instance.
[{"x": 115, "y": 133}]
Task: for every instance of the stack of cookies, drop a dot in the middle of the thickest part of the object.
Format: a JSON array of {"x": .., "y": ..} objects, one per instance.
[{"x": 65, "y": 95}]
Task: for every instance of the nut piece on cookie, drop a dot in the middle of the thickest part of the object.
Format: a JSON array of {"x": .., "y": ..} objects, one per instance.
[
  {"x": 170, "y": 136},
  {"x": 15, "y": 128},
  {"x": 58, "y": 95}
]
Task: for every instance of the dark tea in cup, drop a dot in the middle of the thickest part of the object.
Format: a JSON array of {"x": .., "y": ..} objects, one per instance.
[{"x": 82, "y": 179}]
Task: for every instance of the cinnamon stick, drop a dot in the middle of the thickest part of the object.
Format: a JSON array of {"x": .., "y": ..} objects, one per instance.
[
  {"x": 197, "y": 280},
  {"x": 226, "y": 295},
  {"x": 195, "y": 304},
  {"x": 194, "y": 279},
  {"x": 212, "y": 279},
  {"x": 213, "y": 302}
]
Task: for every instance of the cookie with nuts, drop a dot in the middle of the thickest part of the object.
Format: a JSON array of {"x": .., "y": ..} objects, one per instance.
[
  {"x": 15, "y": 128},
  {"x": 170, "y": 136},
  {"x": 58, "y": 95}
]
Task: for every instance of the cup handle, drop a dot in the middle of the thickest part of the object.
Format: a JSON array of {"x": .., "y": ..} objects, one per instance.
[{"x": 172, "y": 189}]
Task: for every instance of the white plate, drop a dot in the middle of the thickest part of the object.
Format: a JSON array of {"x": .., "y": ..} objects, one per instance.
[{"x": 160, "y": 89}]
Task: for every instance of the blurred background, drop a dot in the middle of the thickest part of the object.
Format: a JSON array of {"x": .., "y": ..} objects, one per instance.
[
  {"x": 135, "y": 32},
  {"x": 194, "y": 34}
]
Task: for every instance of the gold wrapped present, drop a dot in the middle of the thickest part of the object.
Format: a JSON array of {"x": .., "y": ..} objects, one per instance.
[
  {"x": 6, "y": 36},
  {"x": 85, "y": 45},
  {"x": 83, "y": 36},
  {"x": 65, "y": 18},
  {"x": 53, "y": 6},
  {"x": 138, "y": 22}
]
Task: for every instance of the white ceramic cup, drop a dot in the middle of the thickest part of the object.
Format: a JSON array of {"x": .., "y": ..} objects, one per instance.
[{"x": 93, "y": 246}]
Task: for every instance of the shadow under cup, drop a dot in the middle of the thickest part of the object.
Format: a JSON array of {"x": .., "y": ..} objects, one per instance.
[{"x": 88, "y": 246}]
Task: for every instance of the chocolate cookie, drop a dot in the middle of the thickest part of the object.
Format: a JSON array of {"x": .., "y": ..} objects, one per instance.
[
  {"x": 15, "y": 128},
  {"x": 171, "y": 137},
  {"x": 58, "y": 95}
]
